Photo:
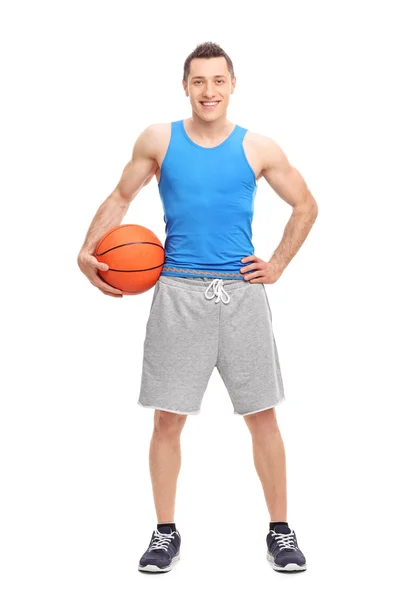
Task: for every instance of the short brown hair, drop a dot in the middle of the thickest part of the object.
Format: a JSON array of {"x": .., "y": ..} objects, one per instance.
[{"x": 207, "y": 50}]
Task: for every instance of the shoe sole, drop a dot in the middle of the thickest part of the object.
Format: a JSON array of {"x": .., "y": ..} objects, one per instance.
[
  {"x": 288, "y": 567},
  {"x": 155, "y": 569}
]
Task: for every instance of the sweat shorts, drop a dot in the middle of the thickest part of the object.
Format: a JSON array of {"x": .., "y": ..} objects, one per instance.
[{"x": 196, "y": 324}]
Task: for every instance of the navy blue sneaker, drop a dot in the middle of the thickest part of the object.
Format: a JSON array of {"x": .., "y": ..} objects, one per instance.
[
  {"x": 283, "y": 551},
  {"x": 163, "y": 551}
]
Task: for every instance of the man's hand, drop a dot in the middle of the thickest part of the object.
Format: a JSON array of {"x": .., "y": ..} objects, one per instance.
[
  {"x": 89, "y": 266},
  {"x": 264, "y": 272}
]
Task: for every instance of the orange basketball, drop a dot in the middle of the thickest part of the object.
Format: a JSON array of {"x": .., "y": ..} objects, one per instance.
[{"x": 135, "y": 258}]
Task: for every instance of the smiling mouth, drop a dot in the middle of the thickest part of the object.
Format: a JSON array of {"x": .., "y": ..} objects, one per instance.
[{"x": 210, "y": 105}]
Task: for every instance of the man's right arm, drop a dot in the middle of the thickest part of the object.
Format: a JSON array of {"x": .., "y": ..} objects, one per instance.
[{"x": 136, "y": 174}]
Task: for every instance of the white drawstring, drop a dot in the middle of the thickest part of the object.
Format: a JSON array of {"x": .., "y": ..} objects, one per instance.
[{"x": 217, "y": 290}]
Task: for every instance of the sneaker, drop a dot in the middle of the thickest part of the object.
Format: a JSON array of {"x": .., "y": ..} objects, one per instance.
[
  {"x": 283, "y": 551},
  {"x": 163, "y": 551}
]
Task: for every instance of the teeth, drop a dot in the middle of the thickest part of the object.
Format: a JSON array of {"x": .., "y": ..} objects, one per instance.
[{"x": 209, "y": 103}]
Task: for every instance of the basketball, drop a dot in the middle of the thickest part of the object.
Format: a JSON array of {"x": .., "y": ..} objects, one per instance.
[{"x": 135, "y": 258}]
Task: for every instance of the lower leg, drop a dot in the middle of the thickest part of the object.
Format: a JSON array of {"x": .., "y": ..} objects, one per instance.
[
  {"x": 165, "y": 462},
  {"x": 270, "y": 461}
]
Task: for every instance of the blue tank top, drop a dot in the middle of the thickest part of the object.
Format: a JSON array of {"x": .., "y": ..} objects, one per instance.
[{"x": 208, "y": 200}]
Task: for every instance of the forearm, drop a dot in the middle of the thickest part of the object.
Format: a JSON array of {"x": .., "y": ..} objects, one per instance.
[
  {"x": 109, "y": 215},
  {"x": 296, "y": 231}
]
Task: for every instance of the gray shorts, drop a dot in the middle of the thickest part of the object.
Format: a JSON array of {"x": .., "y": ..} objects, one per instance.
[{"x": 196, "y": 324}]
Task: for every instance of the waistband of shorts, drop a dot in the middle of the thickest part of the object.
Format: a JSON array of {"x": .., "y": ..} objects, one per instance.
[{"x": 194, "y": 283}]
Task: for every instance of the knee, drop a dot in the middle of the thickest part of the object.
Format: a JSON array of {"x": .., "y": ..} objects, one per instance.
[
  {"x": 168, "y": 424},
  {"x": 262, "y": 423}
]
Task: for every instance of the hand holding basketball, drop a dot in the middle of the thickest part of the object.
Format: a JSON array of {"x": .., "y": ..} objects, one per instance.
[
  {"x": 89, "y": 266},
  {"x": 135, "y": 258}
]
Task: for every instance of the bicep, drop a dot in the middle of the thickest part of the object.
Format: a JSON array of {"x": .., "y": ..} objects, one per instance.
[
  {"x": 283, "y": 177},
  {"x": 141, "y": 167}
]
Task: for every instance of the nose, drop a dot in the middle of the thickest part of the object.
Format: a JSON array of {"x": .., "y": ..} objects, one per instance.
[{"x": 209, "y": 92}]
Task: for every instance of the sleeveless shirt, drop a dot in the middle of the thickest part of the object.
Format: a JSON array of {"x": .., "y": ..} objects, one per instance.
[{"x": 208, "y": 200}]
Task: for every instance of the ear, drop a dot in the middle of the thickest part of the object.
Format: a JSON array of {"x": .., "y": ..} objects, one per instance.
[
  {"x": 233, "y": 85},
  {"x": 185, "y": 87}
]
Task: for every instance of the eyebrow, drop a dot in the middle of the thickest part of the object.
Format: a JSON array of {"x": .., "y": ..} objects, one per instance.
[{"x": 201, "y": 77}]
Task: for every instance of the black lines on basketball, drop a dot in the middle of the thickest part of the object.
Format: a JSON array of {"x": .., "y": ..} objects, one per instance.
[
  {"x": 128, "y": 244},
  {"x": 134, "y": 270}
]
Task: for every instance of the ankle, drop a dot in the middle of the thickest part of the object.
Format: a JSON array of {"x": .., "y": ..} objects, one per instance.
[{"x": 163, "y": 524}]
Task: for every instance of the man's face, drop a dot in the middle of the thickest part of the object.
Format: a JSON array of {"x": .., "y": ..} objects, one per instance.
[{"x": 209, "y": 87}]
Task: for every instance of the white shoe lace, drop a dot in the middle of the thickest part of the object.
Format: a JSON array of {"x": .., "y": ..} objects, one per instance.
[
  {"x": 218, "y": 289},
  {"x": 285, "y": 540},
  {"x": 161, "y": 541}
]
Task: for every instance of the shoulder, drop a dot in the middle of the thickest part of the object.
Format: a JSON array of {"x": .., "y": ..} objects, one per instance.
[
  {"x": 261, "y": 142},
  {"x": 158, "y": 129},
  {"x": 268, "y": 149},
  {"x": 156, "y": 132},
  {"x": 154, "y": 137}
]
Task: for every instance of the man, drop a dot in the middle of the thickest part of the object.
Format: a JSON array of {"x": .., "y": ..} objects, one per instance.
[{"x": 208, "y": 306}]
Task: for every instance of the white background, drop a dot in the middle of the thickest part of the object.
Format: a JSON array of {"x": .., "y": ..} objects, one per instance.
[{"x": 81, "y": 81}]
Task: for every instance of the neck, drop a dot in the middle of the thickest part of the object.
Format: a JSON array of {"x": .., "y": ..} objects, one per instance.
[{"x": 209, "y": 129}]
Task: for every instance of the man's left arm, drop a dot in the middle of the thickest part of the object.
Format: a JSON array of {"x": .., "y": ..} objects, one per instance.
[{"x": 288, "y": 183}]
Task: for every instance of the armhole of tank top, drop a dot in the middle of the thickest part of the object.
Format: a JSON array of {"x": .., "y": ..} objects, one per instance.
[
  {"x": 166, "y": 154},
  {"x": 246, "y": 159}
]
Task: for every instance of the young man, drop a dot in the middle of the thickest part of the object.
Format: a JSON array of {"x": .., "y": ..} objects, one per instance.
[{"x": 208, "y": 306}]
